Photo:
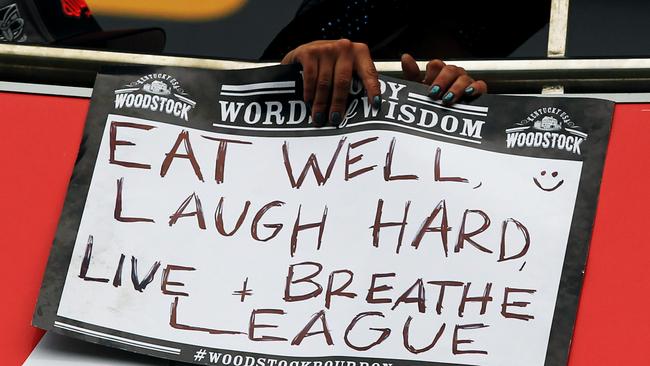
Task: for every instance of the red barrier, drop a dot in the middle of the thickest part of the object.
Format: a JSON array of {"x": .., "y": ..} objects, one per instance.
[
  {"x": 40, "y": 140},
  {"x": 613, "y": 326}
]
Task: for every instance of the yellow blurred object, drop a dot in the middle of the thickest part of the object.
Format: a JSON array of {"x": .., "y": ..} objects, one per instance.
[{"x": 195, "y": 10}]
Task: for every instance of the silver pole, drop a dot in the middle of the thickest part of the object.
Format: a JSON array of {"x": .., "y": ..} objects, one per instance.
[{"x": 557, "y": 32}]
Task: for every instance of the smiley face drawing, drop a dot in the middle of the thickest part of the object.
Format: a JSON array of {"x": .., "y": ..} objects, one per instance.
[{"x": 548, "y": 180}]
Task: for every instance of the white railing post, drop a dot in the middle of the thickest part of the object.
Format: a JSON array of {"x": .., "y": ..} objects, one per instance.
[{"x": 557, "y": 32}]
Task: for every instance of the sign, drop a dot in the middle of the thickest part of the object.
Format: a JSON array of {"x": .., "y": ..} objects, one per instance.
[{"x": 234, "y": 232}]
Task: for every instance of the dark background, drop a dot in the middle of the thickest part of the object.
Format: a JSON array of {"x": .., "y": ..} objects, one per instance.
[
  {"x": 597, "y": 28},
  {"x": 242, "y": 35}
]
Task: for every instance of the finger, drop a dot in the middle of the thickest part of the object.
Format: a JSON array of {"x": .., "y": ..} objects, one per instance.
[
  {"x": 341, "y": 87},
  {"x": 475, "y": 89},
  {"x": 322, "y": 89},
  {"x": 292, "y": 56},
  {"x": 365, "y": 68},
  {"x": 410, "y": 68},
  {"x": 433, "y": 70},
  {"x": 445, "y": 79},
  {"x": 457, "y": 89},
  {"x": 309, "y": 64},
  {"x": 289, "y": 57}
]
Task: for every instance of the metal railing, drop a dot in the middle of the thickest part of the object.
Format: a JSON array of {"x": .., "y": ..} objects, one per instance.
[{"x": 74, "y": 67}]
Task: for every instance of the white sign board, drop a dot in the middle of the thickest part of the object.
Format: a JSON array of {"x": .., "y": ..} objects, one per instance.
[{"x": 210, "y": 222}]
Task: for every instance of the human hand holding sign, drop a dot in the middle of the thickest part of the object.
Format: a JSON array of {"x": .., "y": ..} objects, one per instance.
[
  {"x": 449, "y": 82},
  {"x": 329, "y": 66}
]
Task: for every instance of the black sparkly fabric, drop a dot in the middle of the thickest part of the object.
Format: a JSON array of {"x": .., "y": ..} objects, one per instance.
[
  {"x": 424, "y": 28},
  {"x": 357, "y": 20},
  {"x": 353, "y": 18}
]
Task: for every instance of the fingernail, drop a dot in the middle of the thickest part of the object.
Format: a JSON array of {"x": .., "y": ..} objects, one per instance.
[
  {"x": 448, "y": 97},
  {"x": 434, "y": 91},
  {"x": 469, "y": 90},
  {"x": 309, "y": 105},
  {"x": 376, "y": 102},
  {"x": 320, "y": 119},
  {"x": 335, "y": 118}
]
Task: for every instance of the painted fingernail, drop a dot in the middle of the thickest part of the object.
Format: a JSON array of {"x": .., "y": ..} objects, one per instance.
[
  {"x": 335, "y": 118},
  {"x": 448, "y": 97},
  {"x": 376, "y": 102},
  {"x": 469, "y": 90},
  {"x": 320, "y": 119},
  {"x": 434, "y": 91}
]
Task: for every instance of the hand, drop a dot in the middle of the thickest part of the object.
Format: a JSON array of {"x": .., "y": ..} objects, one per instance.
[
  {"x": 448, "y": 82},
  {"x": 328, "y": 68}
]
